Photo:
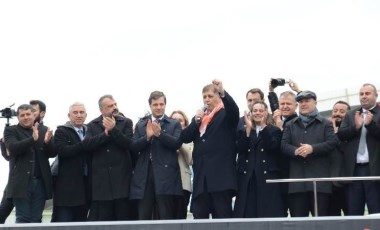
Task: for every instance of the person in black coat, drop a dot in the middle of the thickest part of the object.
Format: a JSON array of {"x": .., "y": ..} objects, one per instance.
[
  {"x": 286, "y": 112},
  {"x": 213, "y": 133},
  {"x": 30, "y": 147},
  {"x": 308, "y": 140},
  {"x": 108, "y": 140},
  {"x": 360, "y": 134},
  {"x": 261, "y": 142},
  {"x": 156, "y": 181},
  {"x": 71, "y": 192},
  {"x": 6, "y": 205},
  {"x": 338, "y": 203}
]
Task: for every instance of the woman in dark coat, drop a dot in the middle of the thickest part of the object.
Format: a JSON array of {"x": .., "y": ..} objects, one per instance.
[{"x": 260, "y": 141}]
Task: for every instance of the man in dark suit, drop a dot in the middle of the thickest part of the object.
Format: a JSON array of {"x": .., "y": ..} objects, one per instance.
[
  {"x": 71, "y": 192},
  {"x": 108, "y": 140},
  {"x": 360, "y": 132},
  {"x": 30, "y": 146},
  {"x": 213, "y": 133},
  {"x": 156, "y": 180}
]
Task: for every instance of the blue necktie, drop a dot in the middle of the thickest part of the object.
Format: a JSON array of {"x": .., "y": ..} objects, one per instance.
[
  {"x": 80, "y": 133},
  {"x": 85, "y": 168}
]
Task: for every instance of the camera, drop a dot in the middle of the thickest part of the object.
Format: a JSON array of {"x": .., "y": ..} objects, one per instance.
[
  {"x": 277, "y": 82},
  {"x": 8, "y": 112}
]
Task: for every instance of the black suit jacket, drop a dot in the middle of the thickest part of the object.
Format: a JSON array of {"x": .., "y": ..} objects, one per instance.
[
  {"x": 350, "y": 137},
  {"x": 214, "y": 154}
]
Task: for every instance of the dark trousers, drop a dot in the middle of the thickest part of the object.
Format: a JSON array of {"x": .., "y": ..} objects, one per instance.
[
  {"x": 338, "y": 202},
  {"x": 358, "y": 193},
  {"x": 108, "y": 210},
  {"x": 154, "y": 206},
  {"x": 301, "y": 203},
  {"x": 29, "y": 209},
  {"x": 71, "y": 214},
  {"x": 6, "y": 207},
  {"x": 182, "y": 205},
  {"x": 219, "y": 204}
]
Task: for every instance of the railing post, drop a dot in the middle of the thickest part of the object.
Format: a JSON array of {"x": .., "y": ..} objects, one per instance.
[{"x": 315, "y": 198}]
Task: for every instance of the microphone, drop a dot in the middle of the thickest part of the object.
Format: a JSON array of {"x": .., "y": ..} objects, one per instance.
[{"x": 203, "y": 108}]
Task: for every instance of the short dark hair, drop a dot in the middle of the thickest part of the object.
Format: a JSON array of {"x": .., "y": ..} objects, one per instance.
[
  {"x": 256, "y": 90},
  {"x": 344, "y": 103},
  {"x": 24, "y": 107},
  {"x": 40, "y": 104},
  {"x": 155, "y": 95}
]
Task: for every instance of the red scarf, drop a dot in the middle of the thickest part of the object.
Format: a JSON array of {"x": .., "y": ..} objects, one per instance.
[{"x": 208, "y": 117}]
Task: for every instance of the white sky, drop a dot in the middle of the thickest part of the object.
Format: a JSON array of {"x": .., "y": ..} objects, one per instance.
[{"x": 66, "y": 51}]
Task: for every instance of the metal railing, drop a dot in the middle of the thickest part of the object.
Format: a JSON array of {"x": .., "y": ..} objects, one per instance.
[{"x": 315, "y": 180}]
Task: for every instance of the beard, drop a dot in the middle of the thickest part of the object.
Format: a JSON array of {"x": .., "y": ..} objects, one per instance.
[{"x": 338, "y": 121}]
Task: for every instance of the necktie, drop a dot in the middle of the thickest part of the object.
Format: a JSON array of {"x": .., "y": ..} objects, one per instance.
[
  {"x": 80, "y": 134},
  {"x": 363, "y": 142},
  {"x": 85, "y": 168}
]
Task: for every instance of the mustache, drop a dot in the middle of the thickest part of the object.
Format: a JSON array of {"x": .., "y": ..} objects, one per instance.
[{"x": 115, "y": 112}]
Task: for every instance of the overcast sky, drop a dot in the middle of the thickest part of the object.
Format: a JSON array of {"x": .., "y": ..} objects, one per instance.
[{"x": 67, "y": 51}]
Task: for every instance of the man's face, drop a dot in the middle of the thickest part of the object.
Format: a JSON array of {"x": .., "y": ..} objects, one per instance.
[
  {"x": 367, "y": 96},
  {"x": 157, "y": 107},
  {"x": 109, "y": 107},
  {"x": 77, "y": 115},
  {"x": 338, "y": 112},
  {"x": 38, "y": 115},
  {"x": 252, "y": 97},
  {"x": 307, "y": 106},
  {"x": 287, "y": 105},
  {"x": 26, "y": 118},
  {"x": 211, "y": 99}
]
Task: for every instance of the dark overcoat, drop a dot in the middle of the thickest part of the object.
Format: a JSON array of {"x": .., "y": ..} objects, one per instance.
[
  {"x": 166, "y": 172},
  {"x": 214, "y": 154},
  {"x": 258, "y": 163},
  {"x": 71, "y": 185},
  {"x": 19, "y": 141},
  {"x": 320, "y": 135},
  {"x": 111, "y": 160}
]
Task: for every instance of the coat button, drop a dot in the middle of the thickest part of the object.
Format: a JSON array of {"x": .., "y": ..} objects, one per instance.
[
  {"x": 108, "y": 150},
  {"x": 27, "y": 172},
  {"x": 166, "y": 166},
  {"x": 203, "y": 140},
  {"x": 245, "y": 172},
  {"x": 249, "y": 150},
  {"x": 246, "y": 161},
  {"x": 263, "y": 161},
  {"x": 305, "y": 131},
  {"x": 265, "y": 172},
  {"x": 262, "y": 150}
]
